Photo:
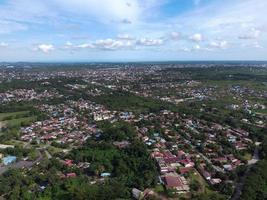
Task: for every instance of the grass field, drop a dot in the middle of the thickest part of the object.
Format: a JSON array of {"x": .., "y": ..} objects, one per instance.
[
  {"x": 13, "y": 115},
  {"x": 19, "y": 121},
  {"x": 14, "y": 119}
]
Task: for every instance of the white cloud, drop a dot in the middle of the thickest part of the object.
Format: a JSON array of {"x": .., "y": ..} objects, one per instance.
[
  {"x": 219, "y": 44},
  {"x": 7, "y": 26},
  {"x": 45, "y": 48},
  {"x": 252, "y": 34},
  {"x": 234, "y": 22},
  {"x": 125, "y": 37},
  {"x": 3, "y": 44},
  {"x": 112, "y": 44},
  {"x": 185, "y": 49},
  {"x": 104, "y": 10},
  {"x": 197, "y": 47},
  {"x": 255, "y": 44},
  {"x": 85, "y": 46},
  {"x": 126, "y": 21},
  {"x": 197, "y": 37},
  {"x": 175, "y": 35},
  {"x": 71, "y": 46},
  {"x": 150, "y": 42},
  {"x": 123, "y": 41}
]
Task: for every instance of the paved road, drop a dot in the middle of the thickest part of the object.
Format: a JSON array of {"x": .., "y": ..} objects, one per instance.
[
  {"x": 48, "y": 154},
  {"x": 21, "y": 164},
  {"x": 239, "y": 186},
  {"x": 216, "y": 168}
]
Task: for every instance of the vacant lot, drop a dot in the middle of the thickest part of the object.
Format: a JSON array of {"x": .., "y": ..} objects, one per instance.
[
  {"x": 12, "y": 115},
  {"x": 14, "y": 119}
]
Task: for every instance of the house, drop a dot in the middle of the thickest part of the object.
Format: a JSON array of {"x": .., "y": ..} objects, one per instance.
[
  {"x": 69, "y": 163},
  {"x": 187, "y": 162},
  {"x": 215, "y": 181},
  {"x": 9, "y": 159},
  {"x": 121, "y": 144},
  {"x": 185, "y": 170},
  {"x": 71, "y": 175},
  {"x": 181, "y": 154},
  {"x": 175, "y": 182},
  {"x": 105, "y": 174},
  {"x": 206, "y": 174},
  {"x": 137, "y": 194},
  {"x": 4, "y": 146},
  {"x": 228, "y": 167}
]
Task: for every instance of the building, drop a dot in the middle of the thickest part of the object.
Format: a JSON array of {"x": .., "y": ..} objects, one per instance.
[
  {"x": 173, "y": 181},
  {"x": 9, "y": 159}
]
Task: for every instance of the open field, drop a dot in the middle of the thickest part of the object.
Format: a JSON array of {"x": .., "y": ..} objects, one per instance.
[
  {"x": 12, "y": 115},
  {"x": 19, "y": 121},
  {"x": 13, "y": 119}
]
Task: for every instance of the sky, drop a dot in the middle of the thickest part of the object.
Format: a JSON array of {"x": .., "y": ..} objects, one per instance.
[{"x": 132, "y": 30}]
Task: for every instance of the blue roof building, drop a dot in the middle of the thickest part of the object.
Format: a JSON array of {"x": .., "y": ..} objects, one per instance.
[
  {"x": 9, "y": 159},
  {"x": 105, "y": 174}
]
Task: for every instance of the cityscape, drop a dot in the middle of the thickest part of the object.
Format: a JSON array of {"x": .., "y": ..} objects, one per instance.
[
  {"x": 143, "y": 131},
  {"x": 133, "y": 100}
]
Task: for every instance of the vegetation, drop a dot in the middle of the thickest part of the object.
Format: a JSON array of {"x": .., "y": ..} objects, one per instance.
[
  {"x": 255, "y": 187},
  {"x": 130, "y": 102}
]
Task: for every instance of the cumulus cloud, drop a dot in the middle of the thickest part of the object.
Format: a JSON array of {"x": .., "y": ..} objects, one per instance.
[
  {"x": 126, "y": 21},
  {"x": 252, "y": 34},
  {"x": 123, "y": 41},
  {"x": 85, "y": 46},
  {"x": 197, "y": 37},
  {"x": 125, "y": 37},
  {"x": 236, "y": 22},
  {"x": 254, "y": 44},
  {"x": 112, "y": 44},
  {"x": 3, "y": 44},
  {"x": 257, "y": 45},
  {"x": 70, "y": 46},
  {"x": 175, "y": 35},
  {"x": 45, "y": 48},
  {"x": 149, "y": 42},
  {"x": 104, "y": 10},
  {"x": 196, "y": 47},
  {"x": 7, "y": 26},
  {"x": 219, "y": 44},
  {"x": 185, "y": 49}
]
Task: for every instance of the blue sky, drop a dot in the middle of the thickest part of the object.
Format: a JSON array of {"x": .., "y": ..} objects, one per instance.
[{"x": 132, "y": 30}]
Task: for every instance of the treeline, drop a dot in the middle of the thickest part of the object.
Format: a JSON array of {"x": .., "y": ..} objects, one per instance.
[
  {"x": 121, "y": 100},
  {"x": 255, "y": 187},
  {"x": 129, "y": 167}
]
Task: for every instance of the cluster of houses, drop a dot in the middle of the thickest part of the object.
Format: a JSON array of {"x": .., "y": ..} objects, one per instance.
[
  {"x": 26, "y": 95},
  {"x": 174, "y": 144},
  {"x": 170, "y": 165},
  {"x": 176, "y": 153},
  {"x": 64, "y": 126}
]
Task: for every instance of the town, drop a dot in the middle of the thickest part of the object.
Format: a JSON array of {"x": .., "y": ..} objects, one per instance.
[{"x": 142, "y": 131}]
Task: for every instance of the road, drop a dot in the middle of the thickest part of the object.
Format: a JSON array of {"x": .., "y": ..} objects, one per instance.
[
  {"x": 48, "y": 154},
  {"x": 21, "y": 164},
  {"x": 239, "y": 186},
  {"x": 216, "y": 168}
]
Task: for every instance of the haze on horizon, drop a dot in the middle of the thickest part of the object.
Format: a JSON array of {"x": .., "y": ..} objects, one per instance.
[{"x": 132, "y": 30}]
